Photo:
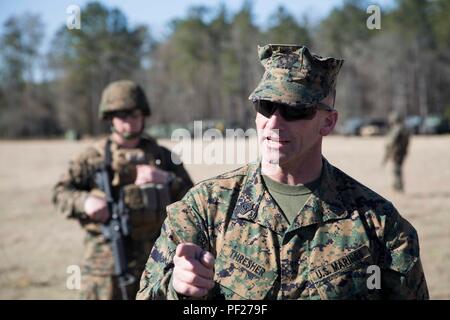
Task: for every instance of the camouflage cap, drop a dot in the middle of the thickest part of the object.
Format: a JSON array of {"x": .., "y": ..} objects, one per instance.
[
  {"x": 294, "y": 76},
  {"x": 123, "y": 95}
]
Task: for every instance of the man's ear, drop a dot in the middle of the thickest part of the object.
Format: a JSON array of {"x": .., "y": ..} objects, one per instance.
[{"x": 328, "y": 122}]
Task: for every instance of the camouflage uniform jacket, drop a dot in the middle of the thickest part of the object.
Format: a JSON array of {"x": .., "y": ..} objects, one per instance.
[
  {"x": 397, "y": 143},
  {"x": 323, "y": 254},
  {"x": 78, "y": 183}
]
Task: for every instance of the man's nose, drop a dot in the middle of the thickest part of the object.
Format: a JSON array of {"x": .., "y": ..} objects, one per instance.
[
  {"x": 126, "y": 125},
  {"x": 276, "y": 118}
]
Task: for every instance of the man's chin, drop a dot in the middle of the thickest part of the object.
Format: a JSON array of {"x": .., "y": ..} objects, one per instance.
[
  {"x": 130, "y": 135},
  {"x": 274, "y": 158}
]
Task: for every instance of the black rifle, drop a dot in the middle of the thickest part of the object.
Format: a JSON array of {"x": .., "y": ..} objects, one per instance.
[{"x": 117, "y": 229}]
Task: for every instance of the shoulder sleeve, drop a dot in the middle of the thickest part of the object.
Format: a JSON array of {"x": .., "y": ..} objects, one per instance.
[
  {"x": 402, "y": 272},
  {"x": 183, "y": 223}
]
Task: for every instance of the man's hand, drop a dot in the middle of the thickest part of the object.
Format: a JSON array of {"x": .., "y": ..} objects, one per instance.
[
  {"x": 96, "y": 208},
  {"x": 150, "y": 174},
  {"x": 194, "y": 270}
]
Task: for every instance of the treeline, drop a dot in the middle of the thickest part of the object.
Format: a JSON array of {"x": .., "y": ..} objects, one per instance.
[{"x": 207, "y": 65}]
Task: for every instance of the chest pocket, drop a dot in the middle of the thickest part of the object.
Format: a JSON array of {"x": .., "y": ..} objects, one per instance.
[
  {"x": 151, "y": 198},
  {"x": 147, "y": 204},
  {"x": 345, "y": 277},
  {"x": 245, "y": 272}
]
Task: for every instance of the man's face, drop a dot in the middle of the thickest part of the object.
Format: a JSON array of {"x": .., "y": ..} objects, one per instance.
[
  {"x": 128, "y": 122},
  {"x": 288, "y": 142}
]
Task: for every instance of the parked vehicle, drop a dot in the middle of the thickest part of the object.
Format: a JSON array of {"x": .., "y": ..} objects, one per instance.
[
  {"x": 352, "y": 127},
  {"x": 374, "y": 127},
  {"x": 413, "y": 123},
  {"x": 435, "y": 124}
]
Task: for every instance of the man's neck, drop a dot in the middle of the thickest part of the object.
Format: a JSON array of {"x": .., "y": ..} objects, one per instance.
[{"x": 301, "y": 171}]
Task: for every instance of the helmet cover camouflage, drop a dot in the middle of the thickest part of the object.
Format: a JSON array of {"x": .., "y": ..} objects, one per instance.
[
  {"x": 294, "y": 76},
  {"x": 123, "y": 95}
]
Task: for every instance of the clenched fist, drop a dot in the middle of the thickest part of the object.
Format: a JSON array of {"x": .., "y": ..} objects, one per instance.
[
  {"x": 194, "y": 270},
  {"x": 96, "y": 208},
  {"x": 150, "y": 174}
]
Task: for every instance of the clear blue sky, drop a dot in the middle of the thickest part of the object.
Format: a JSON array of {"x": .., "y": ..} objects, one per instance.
[{"x": 157, "y": 13}]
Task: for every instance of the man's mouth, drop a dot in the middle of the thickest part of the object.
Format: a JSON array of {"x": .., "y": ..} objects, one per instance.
[{"x": 277, "y": 139}]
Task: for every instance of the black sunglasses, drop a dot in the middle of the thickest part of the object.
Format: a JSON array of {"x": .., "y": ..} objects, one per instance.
[
  {"x": 125, "y": 114},
  {"x": 289, "y": 113}
]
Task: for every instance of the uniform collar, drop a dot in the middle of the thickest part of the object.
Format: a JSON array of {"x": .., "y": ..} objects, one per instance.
[{"x": 255, "y": 204}]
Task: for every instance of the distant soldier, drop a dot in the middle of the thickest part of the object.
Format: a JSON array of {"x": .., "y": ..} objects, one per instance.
[
  {"x": 291, "y": 225},
  {"x": 397, "y": 147},
  {"x": 118, "y": 189}
]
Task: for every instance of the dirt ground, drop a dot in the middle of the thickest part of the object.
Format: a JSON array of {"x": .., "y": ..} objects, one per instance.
[{"x": 37, "y": 245}]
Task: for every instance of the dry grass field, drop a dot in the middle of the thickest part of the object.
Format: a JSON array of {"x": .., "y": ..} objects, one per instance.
[{"x": 37, "y": 245}]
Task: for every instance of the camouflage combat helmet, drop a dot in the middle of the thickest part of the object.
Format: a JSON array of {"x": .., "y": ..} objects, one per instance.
[
  {"x": 294, "y": 76},
  {"x": 123, "y": 95}
]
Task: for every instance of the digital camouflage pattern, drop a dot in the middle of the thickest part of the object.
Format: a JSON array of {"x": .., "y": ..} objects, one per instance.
[
  {"x": 397, "y": 140},
  {"x": 294, "y": 76},
  {"x": 78, "y": 183},
  {"x": 123, "y": 95},
  {"x": 342, "y": 229},
  {"x": 397, "y": 148}
]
